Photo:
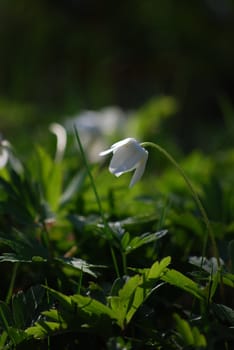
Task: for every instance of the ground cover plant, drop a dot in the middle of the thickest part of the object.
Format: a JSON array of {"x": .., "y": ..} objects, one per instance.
[{"x": 87, "y": 262}]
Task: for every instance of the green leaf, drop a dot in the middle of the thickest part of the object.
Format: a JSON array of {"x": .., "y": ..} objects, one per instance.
[
  {"x": 213, "y": 284},
  {"x": 92, "y": 306},
  {"x": 6, "y": 319},
  {"x": 54, "y": 186},
  {"x": 73, "y": 187},
  {"x": 17, "y": 336},
  {"x": 14, "y": 204},
  {"x": 8, "y": 324},
  {"x": 24, "y": 247},
  {"x": 77, "y": 311},
  {"x": 18, "y": 309},
  {"x": 125, "y": 241},
  {"x": 25, "y": 306},
  {"x": 158, "y": 268},
  {"x": 123, "y": 303},
  {"x": 3, "y": 339},
  {"x": 135, "y": 291},
  {"x": 8, "y": 188},
  {"x": 50, "y": 175},
  {"x": 136, "y": 301},
  {"x": 224, "y": 313},
  {"x": 181, "y": 281},
  {"x": 228, "y": 279},
  {"x": 52, "y": 314},
  {"x": 14, "y": 258},
  {"x": 199, "y": 339},
  {"x": 187, "y": 221},
  {"x": 190, "y": 336},
  {"x": 43, "y": 329},
  {"x": 64, "y": 300},
  {"x": 139, "y": 241},
  {"x": 184, "y": 330},
  {"x": 79, "y": 264}
]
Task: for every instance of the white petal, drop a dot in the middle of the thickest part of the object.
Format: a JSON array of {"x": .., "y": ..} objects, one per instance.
[
  {"x": 126, "y": 158},
  {"x": 61, "y": 134},
  {"x": 103, "y": 153},
  {"x": 117, "y": 145},
  {"x": 139, "y": 170},
  {"x": 123, "y": 143},
  {"x": 3, "y": 157},
  {"x": 6, "y": 144}
]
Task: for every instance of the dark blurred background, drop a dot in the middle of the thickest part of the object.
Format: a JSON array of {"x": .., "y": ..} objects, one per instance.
[{"x": 60, "y": 57}]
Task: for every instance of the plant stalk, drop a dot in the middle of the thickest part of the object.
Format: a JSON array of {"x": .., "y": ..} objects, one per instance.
[
  {"x": 106, "y": 227},
  {"x": 193, "y": 192},
  {"x": 12, "y": 282}
]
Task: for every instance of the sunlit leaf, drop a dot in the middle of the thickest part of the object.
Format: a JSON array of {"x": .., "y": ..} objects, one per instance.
[
  {"x": 135, "y": 291},
  {"x": 228, "y": 279},
  {"x": 122, "y": 303},
  {"x": 43, "y": 329},
  {"x": 181, "y": 281},
  {"x": 139, "y": 241},
  {"x": 92, "y": 306},
  {"x": 189, "y": 336},
  {"x": 80, "y": 264},
  {"x": 158, "y": 268}
]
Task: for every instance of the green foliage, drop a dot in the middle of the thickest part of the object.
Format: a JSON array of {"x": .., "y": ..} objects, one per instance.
[
  {"x": 187, "y": 335},
  {"x": 139, "y": 274},
  {"x": 24, "y": 311},
  {"x": 128, "y": 244},
  {"x": 24, "y": 249},
  {"x": 179, "y": 280},
  {"x": 135, "y": 291}
]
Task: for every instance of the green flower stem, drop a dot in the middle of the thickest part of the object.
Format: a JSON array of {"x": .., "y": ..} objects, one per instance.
[
  {"x": 12, "y": 282},
  {"x": 124, "y": 261},
  {"x": 106, "y": 227},
  {"x": 80, "y": 282},
  {"x": 193, "y": 192}
]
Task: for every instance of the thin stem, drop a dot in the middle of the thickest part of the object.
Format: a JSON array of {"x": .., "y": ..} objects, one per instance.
[
  {"x": 80, "y": 282},
  {"x": 6, "y": 325},
  {"x": 193, "y": 192},
  {"x": 114, "y": 261},
  {"x": 124, "y": 260},
  {"x": 12, "y": 282},
  {"x": 90, "y": 175},
  {"x": 46, "y": 240},
  {"x": 106, "y": 227},
  {"x": 48, "y": 302}
]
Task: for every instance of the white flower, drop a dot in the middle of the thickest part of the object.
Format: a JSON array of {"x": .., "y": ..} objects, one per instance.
[
  {"x": 61, "y": 134},
  {"x": 4, "y": 153},
  {"x": 96, "y": 128},
  {"x": 128, "y": 155},
  {"x": 7, "y": 156}
]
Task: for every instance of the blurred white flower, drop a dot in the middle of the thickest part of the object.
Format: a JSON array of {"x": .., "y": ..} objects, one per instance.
[
  {"x": 7, "y": 156},
  {"x": 128, "y": 155},
  {"x": 4, "y": 153},
  {"x": 96, "y": 128},
  {"x": 61, "y": 135}
]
